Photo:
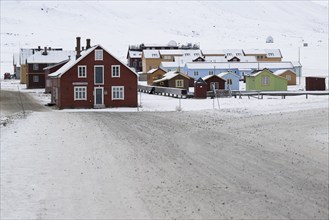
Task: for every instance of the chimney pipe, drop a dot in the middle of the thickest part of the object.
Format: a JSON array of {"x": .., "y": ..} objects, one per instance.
[
  {"x": 88, "y": 44},
  {"x": 83, "y": 48},
  {"x": 78, "y": 50},
  {"x": 39, "y": 48},
  {"x": 45, "y": 51}
]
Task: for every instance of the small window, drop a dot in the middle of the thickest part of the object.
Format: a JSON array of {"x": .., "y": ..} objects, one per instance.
[
  {"x": 115, "y": 70},
  {"x": 82, "y": 71},
  {"x": 211, "y": 72},
  {"x": 135, "y": 63},
  {"x": 167, "y": 57},
  {"x": 98, "y": 54},
  {"x": 161, "y": 83},
  {"x": 288, "y": 77},
  {"x": 229, "y": 54},
  {"x": 35, "y": 66},
  {"x": 140, "y": 63},
  {"x": 80, "y": 93},
  {"x": 229, "y": 81},
  {"x": 118, "y": 92},
  {"x": 35, "y": 79},
  {"x": 196, "y": 73},
  {"x": 238, "y": 54},
  {"x": 270, "y": 54},
  {"x": 196, "y": 54},
  {"x": 179, "y": 83},
  {"x": 265, "y": 80},
  {"x": 154, "y": 55},
  {"x": 187, "y": 54}
]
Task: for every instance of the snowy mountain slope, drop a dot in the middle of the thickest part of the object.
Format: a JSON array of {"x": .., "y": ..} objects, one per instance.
[{"x": 213, "y": 24}]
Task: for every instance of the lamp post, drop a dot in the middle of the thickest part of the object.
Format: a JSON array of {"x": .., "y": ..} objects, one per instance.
[{"x": 300, "y": 69}]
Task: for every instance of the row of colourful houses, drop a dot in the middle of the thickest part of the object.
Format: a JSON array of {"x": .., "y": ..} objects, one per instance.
[{"x": 263, "y": 79}]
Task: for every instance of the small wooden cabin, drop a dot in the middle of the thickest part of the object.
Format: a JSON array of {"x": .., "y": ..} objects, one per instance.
[
  {"x": 174, "y": 79},
  {"x": 214, "y": 80},
  {"x": 289, "y": 75},
  {"x": 154, "y": 74}
]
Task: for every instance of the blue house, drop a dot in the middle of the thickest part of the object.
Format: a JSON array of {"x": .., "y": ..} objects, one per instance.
[
  {"x": 202, "y": 69},
  {"x": 232, "y": 80}
]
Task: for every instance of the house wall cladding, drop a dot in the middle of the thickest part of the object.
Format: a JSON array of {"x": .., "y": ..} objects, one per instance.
[{"x": 127, "y": 79}]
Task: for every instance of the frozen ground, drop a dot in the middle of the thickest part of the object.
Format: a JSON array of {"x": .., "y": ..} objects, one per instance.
[{"x": 250, "y": 159}]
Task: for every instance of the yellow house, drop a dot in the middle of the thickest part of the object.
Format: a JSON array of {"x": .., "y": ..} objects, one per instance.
[
  {"x": 23, "y": 74},
  {"x": 289, "y": 75},
  {"x": 264, "y": 54},
  {"x": 169, "y": 55},
  {"x": 150, "y": 60}
]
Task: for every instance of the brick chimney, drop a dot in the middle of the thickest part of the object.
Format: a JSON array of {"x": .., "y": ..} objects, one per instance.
[
  {"x": 45, "y": 51},
  {"x": 78, "y": 50},
  {"x": 88, "y": 44}
]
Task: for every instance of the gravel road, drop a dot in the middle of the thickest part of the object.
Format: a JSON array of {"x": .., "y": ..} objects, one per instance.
[
  {"x": 13, "y": 102},
  {"x": 183, "y": 165}
]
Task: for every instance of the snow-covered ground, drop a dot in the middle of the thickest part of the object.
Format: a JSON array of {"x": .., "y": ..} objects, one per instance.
[{"x": 207, "y": 164}]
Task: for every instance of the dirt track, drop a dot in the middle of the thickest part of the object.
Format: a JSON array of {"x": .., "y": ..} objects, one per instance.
[{"x": 187, "y": 165}]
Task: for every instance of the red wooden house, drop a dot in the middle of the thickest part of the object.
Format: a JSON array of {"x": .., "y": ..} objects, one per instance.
[
  {"x": 94, "y": 79},
  {"x": 215, "y": 80}
]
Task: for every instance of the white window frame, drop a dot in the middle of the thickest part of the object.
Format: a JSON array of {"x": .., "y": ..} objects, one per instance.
[
  {"x": 118, "y": 88},
  {"x": 95, "y": 75},
  {"x": 83, "y": 90},
  {"x": 196, "y": 73},
  {"x": 112, "y": 70},
  {"x": 288, "y": 77},
  {"x": 35, "y": 66},
  {"x": 211, "y": 72},
  {"x": 85, "y": 71},
  {"x": 229, "y": 81},
  {"x": 179, "y": 83},
  {"x": 99, "y": 54},
  {"x": 266, "y": 80},
  {"x": 36, "y": 78}
]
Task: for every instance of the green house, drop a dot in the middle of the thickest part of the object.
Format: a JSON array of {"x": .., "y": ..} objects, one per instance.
[{"x": 265, "y": 80}]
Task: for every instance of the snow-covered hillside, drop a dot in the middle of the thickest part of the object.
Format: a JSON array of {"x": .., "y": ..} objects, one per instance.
[{"x": 213, "y": 24}]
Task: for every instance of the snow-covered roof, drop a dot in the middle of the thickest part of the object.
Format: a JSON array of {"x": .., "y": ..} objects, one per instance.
[
  {"x": 135, "y": 54},
  {"x": 215, "y": 59},
  {"x": 171, "y": 52},
  {"x": 274, "y": 53},
  {"x": 56, "y": 64},
  {"x": 53, "y": 56},
  {"x": 225, "y": 73},
  {"x": 254, "y": 51},
  {"x": 279, "y": 72},
  {"x": 213, "y": 52},
  {"x": 170, "y": 64},
  {"x": 84, "y": 53},
  {"x": 209, "y": 76},
  {"x": 152, "y": 71},
  {"x": 233, "y": 52},
  {"x": 151, "y": 54},
  {"x": 170, "y": 75},
  {"x": 192, "y": 53},
  {"x": 239, "y": 65}
]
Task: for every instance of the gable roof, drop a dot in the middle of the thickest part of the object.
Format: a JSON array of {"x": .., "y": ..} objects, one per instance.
[
  {"x": 170, "y": 75},
  {"x": 254, "y": 51},
  {"x": 226, "y": 73},
  {"x": 53, "y": 56},
  {"x": 279, "y": 72},
  {"x": 210, "y": 76},
  {"x": 57, "y": 64},
  {"x": 155, "y": 69},
  {"x": 84, "y": 53}
]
